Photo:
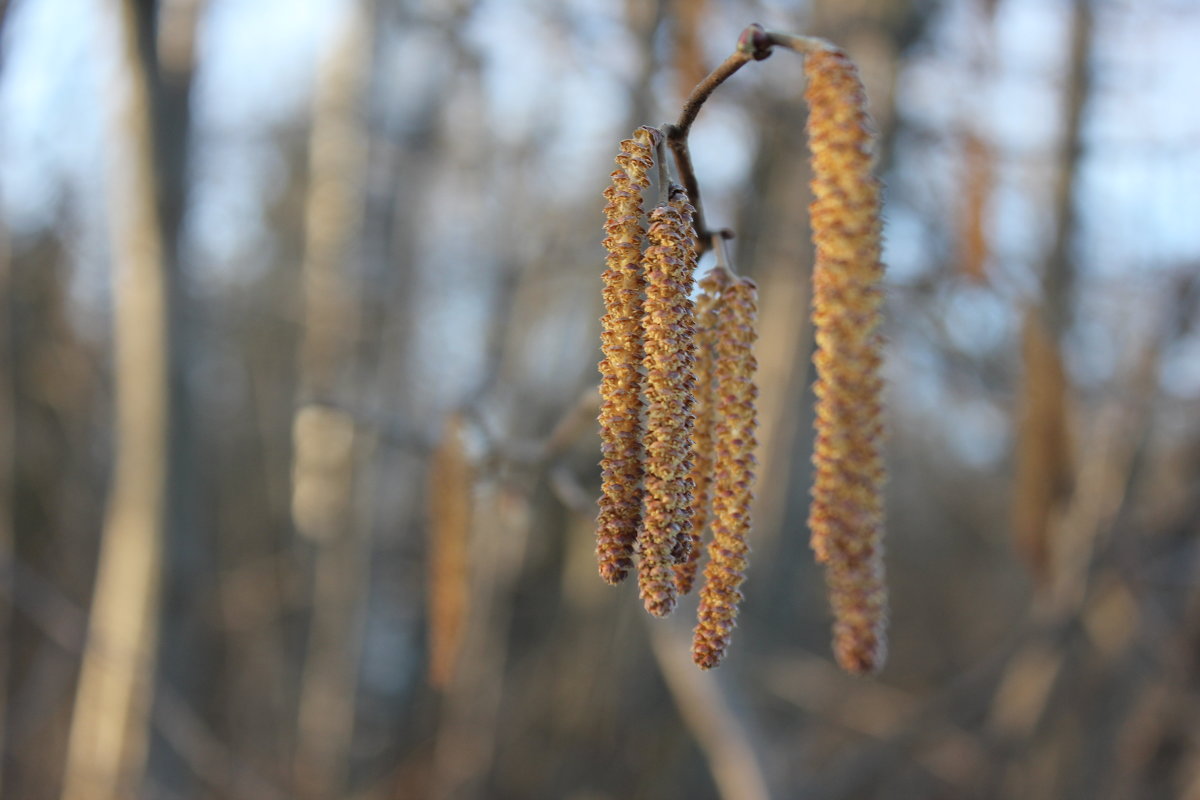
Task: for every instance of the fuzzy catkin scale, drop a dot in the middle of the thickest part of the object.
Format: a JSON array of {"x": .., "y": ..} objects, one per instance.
[
  {"x": 704, "y": 409},
  {"x": 669, "y": 328},
  {"x": 846, "y": 516},
  {"x": 622, "y": 449},
  {"x": 734, "y": 469}
]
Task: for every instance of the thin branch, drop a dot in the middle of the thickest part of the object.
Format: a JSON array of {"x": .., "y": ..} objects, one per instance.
[
  {"x": 705, "y": 708},
  {"x": 754, "y": 44},
  {"x": 721, "y": 251}
]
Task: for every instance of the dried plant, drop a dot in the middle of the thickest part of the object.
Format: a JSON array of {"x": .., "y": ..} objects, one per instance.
[
  {"x": 846, "y": 517},
  {"x": 977, "y": 184},
  {"x": 733, "y": 472},
  {"x": 676, "y": 462},
  {"x": 621, "y": 339},
  {"x": 705, "y": 410},
  {"x": 668, "y": 328},
  {"x": 450, "y": 502},
  {"x": 1044, "y": 469}
]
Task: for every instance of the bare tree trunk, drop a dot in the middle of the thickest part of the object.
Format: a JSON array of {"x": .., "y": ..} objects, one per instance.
[
  {"x": 7, "y": 545},
  {"x": 109, "y": 731},
  {"x": 330, "y": 451}
]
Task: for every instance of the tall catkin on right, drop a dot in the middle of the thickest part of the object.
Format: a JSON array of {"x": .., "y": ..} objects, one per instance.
[
  {"x": 622, "y": 450},
  {"x": 846, "y": 516},
  {"x": 733, "y": 469},
  {"x": 669, "y": 328}
]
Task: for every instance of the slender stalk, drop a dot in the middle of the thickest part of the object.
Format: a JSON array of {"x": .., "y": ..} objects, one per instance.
[{"x": 754, "y": 44}]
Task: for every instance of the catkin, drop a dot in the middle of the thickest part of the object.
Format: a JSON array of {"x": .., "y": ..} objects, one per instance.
[
  {"x": 704, "y": 409},
  {"x": 734, "y": 473},
  {"x": 622, "y": 448},
  {"x": 1043, "y": 454},
  {"x": 670, "y": 261},
  {"x": 846, "y": 516},
  {"x": 450, "y": 496}
]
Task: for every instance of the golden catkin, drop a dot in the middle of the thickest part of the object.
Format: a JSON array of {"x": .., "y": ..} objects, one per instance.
[
  {"x": 846, "y": 516},
  {"x": 704, "y": 409},
  {"x": 450, "y": 496},
  {"x": 668, "y": 326},
  {"x": 1044, "y": 468},
  {"x": 733, "y": 469},
  {"x": 622, "y": 449},
  {"x": 978, "y": 179}
]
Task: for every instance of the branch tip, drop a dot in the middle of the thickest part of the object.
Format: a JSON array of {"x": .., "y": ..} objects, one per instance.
[{"x": 755, "y": 42}]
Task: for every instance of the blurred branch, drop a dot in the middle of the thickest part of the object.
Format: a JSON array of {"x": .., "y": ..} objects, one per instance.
[
  {"x": 706, "y": 711},
  {"x": 577, "y": 418},
  {"x": 1059, "y": 271}
]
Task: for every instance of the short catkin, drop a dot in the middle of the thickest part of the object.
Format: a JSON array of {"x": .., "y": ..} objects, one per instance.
[
  {"x": 846, "y": 516},
  {"x": 621, "y": 434},
  {"x": 704, "y": 409},
  {"x": 733, "y": 469},
  {"x": 669, "y": 329}
]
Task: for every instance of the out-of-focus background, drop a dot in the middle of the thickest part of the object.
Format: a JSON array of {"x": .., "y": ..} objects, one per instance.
[{"x": 297, "y": 403}]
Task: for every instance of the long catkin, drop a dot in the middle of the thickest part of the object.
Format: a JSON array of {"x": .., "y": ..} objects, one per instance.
[
  {"x": 705, "y": 410},
  {"x": 733, "y": 469},
  {"x": 846, "y": 516},
  {"x": 622, "y": 449},
  {"x": 669, "y": 328},
  {"x": 450, "y": 499}
]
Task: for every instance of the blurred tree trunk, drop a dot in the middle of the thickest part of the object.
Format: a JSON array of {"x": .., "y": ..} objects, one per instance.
[
  {"x": 186, "y": 658},
  {"x": 330, "y": 451},
  {"x": 1059, "y": 272},
  {"x": 7, "y": 473},
  {"x": 110, "y": 728}
]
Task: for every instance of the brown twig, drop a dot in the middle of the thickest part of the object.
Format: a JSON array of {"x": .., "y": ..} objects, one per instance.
[{"x": 754, "y": 44}]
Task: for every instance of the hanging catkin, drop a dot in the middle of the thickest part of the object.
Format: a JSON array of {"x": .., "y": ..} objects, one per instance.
[
  {"x": 668, "y": 326},
  {"x": 733, "y": 471},
  {"x": 621, "y": 432},
  {"x": 704, "y": 408},
  {"x": 846, "y": 517}
]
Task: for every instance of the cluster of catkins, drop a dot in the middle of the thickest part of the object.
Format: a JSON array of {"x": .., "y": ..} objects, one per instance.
[
  {"x": 677, "y": 388},
  {"x": 677, "y": 415}
]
